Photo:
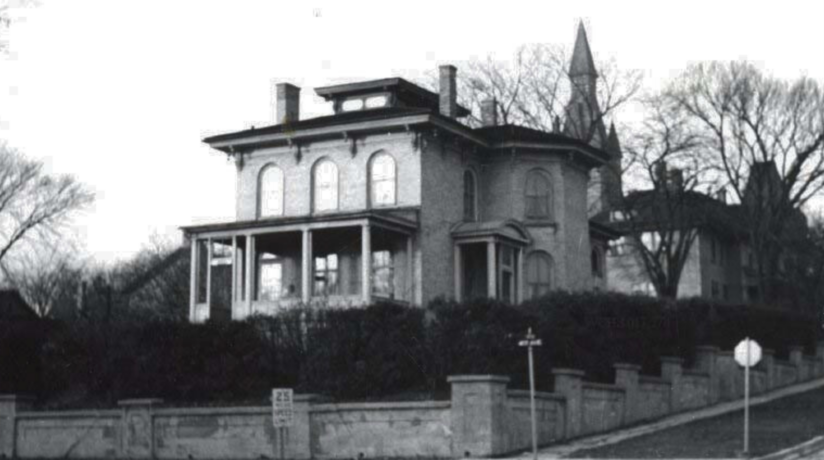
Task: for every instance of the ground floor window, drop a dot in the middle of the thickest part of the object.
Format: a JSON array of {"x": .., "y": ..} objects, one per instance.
[
  {"x": 538, "y": 274},
  {"x": 270, "y": 277},
  {"x": 383, "y": 276},
  {"x": 506, "y": 280},
  {"x": 326, "y": 275}
]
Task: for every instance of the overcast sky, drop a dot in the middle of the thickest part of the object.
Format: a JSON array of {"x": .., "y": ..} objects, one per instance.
[{"x": 121, "y": 92}]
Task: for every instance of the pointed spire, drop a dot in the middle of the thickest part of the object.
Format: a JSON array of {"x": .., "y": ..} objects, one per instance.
[
  {"x": 582, "y": 63},
  {"x": 613, "y": 146}
]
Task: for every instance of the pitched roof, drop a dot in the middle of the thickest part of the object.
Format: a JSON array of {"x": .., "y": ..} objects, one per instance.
[
  {"x": 13, "y": 307},
  {"x": 581, "y": 62},
  {"x": 514, "y": 133}
]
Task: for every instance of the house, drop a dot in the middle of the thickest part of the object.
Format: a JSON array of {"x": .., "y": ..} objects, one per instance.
[
  {"x": 720, "y": 263},
  {"x": 393, "y": 197},
  {"x": 14, "y": 308}
]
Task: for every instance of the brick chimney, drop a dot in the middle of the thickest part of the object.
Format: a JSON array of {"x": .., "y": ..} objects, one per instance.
[
  {"x": 287, "y": 103},
  {"x": 489, "y": 112},
  {"x": 448, "y": 91},
  {"x": 721, "y": 195},
  {"x": 676, "y": 180},
  {"x": 659, "y": 172}
]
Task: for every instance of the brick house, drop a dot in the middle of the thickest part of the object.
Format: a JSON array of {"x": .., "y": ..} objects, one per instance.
[{"x": 393, "y": 197}]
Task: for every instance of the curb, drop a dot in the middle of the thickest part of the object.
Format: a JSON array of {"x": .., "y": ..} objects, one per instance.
[{"x": 802, "y": 450}]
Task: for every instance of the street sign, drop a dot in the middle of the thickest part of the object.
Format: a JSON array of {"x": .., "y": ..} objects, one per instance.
[
  {"x": 747, "y": 359},
  {"x": 532, "y": 341},
  {"x": 283, "y": 414}
]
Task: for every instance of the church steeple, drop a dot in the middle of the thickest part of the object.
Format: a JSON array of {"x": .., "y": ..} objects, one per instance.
[
  {"x": 613, "y": 146},
  {"x": 582, "y": 63}
]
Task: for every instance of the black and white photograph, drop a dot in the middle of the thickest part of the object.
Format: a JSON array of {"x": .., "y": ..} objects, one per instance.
[{"x": 298, "y": 230}]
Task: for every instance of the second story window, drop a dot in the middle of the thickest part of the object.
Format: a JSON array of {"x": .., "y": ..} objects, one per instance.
[
  {"x": 325, "y": 186},
  {"x": 270, "y": 192},
  {"x": 538, "y": 274},
  {"x": 538, "y": 195},
  {"x": 470, "y": 196},
  {"x": 382, "y": 180}
]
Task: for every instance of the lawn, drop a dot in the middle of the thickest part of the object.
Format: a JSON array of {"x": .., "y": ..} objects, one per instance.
[{"x": 773, "y": 426}]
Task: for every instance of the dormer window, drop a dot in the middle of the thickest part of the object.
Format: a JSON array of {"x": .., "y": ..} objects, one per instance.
[
  {"x": 352, "y": 105},
  {"x": 376, "y": 101},
  {"x": 367, "y": 101}
]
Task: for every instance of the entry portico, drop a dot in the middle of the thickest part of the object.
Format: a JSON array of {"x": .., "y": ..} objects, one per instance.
[{"x": 244, "y": 268}]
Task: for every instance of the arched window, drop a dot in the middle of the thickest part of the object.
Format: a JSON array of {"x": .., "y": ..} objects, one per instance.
[
  {"x": 325, "y": 185},
  {"x": 382, "y": 180},
  {"x": 270, "y": 191},
  {"x": 597, "y": 261},
  {"x": 470, "y": 196},
  {"x": 538, "y": 274},
  {"x": 538, "y": 195}
]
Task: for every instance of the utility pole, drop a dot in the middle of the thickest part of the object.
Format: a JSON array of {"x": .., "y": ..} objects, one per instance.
[{"x": 529, "y": 342}]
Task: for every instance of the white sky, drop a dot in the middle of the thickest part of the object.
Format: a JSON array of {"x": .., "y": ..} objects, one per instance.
[{"x": 120, "y": 92}]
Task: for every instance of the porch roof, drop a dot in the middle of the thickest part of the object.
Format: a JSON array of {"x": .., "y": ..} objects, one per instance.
[
  {"x": 401, "y": 219},
  {"x": 508, "y": 229}
]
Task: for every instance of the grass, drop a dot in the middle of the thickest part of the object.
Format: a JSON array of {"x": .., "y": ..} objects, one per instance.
[{"x": 773, "y": 426}]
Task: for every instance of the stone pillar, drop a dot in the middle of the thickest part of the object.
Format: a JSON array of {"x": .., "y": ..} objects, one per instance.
[
  {"x": 671, "y": 369},
  {"x": 705, "y": 361},
  {"x": 478, "y": 412},
  {"x": 137, "y": 439},
  {"x": 10, "y": 405},
  {"x": 768, "y": 364},
  {"x": 299, "y": 436},
  {"x": 491, "y": 270},
  {"x": 797, "y": 360},
  {"x": 568, "y": 382},
  {"x": 193, "y": 282},
  {"x": 819, "y": 359},
  {"x": 626, "y": 377}
]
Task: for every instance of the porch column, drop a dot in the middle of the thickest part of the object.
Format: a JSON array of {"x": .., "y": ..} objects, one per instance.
[
  {"x": 235, "y": 271},
  {"x": 410, "y": 267},
  {"x": 520, "y": 277},
  {"x": 250, "y": 272},
  {"x": 458, "y": 264},
  {"x": 209, "y": 278},
  {"x": 193, "y": 281},
  {"x": 491, "y": 269},
  {"x": 366, "y": 265},
  {"x": 306, "y": 266}
]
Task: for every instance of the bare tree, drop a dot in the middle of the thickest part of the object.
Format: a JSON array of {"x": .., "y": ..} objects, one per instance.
[
  {"x": 765, "y": 139},
  {"x": 33, "y": 202},
  {"x": 45, "y": 273},
  {"x": 6, "y": 18},
  {"x": 662, "y": 220}
]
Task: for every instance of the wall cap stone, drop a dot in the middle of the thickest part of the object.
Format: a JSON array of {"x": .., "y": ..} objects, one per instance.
[
  {"x": 140, "y": 402},
  {"x": 707, "y": 348},
  {"x": 627, "y": 366},
  {"x": 567, "y": 371},
  {"x": 477, "y": 378},
  {"x": 16, "y": 397}
]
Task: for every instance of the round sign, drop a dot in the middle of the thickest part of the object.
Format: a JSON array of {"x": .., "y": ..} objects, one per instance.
[{"x": 741, "y": 355}]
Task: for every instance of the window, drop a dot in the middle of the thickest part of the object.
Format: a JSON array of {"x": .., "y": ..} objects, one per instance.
[
  {"x": 538, "y": 196},
  {"x": 270, "y": 277},
  {"x": 383, "y": 279},
  {"x": 326, "y": 275},
  {"x": 506, "y": 289},
  {"x": 270, "y": 192},
  {"x": 538, "y": 274},
  {"x": 470, "y": 196},
  {"x": 202, "y": 269},
  {"x": 325, "y": 177},
  {"x": 715, "y": 290},
  {"x": 597, "y": 263},
  {"x": 382, "y": 179}
]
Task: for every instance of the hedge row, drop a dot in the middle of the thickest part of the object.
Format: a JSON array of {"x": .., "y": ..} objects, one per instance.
[{"x": 380, "y": 352}]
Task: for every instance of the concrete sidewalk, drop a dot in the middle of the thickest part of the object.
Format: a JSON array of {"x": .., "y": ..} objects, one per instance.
[{"x": 564, "y": 450}]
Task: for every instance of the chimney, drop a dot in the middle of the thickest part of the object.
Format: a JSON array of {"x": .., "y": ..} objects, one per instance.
[
  {"x": 448, "y": 91},
  {"x": 287, "y": 103},
  {"x": 676, "y": 180},
  {"x": 489, "y": 112},
  {"x": 721, "y": 195},
  {"x": 659, "y": 173},
  {"x": 556, "y": 124}
]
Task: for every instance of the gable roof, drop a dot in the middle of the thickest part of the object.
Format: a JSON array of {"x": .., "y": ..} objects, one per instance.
[{"x": 13, "y": 307}]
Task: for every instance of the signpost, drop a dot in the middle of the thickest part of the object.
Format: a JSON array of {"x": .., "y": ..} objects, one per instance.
[
  {"x": 747, "y": 354},
  {"x": 529, "y": 342},
  {"x": 283, "y": 414}
]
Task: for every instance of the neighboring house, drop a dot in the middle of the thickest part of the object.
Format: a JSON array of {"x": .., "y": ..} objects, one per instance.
[
  {"x": 14, "y": 308},
  {"x": 720, "y": 264},
  {"x": 392, "y": 197}
]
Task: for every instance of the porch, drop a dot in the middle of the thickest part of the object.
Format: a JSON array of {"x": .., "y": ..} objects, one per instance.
[{"x": 253, "y": 268}]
